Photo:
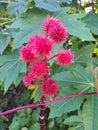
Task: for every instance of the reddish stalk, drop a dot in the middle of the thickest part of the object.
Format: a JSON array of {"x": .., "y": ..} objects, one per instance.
[
  {"x": 20, "y": 108},
  {"x": 42, "y": 114},
  {"x": 70, "y": 96},
  {"x": 53, "y": 57},
  {"x": 45, "y": 104}
]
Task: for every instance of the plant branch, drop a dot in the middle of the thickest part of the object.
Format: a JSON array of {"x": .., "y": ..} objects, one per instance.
[
  {"x": 53, "y": 57},
  {"x": 42, "y": 114},
  {"x": 20, "y": 108},
  {"x": 46, "y": 104},
  {"x": 66, "y": 97}
]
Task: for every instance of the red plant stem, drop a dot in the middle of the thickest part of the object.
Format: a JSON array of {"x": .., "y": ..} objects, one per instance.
[
  {"x": 66, "y": 97},
  {"x": 42, "y": 114},
  {"x": 20, "y": 108},
  {"x": 53, "y": 57},
  {"x": 45, "y": 104}
]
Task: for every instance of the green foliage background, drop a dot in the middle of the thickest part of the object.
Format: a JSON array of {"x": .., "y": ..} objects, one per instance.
[{"x": 23, "y": 18}]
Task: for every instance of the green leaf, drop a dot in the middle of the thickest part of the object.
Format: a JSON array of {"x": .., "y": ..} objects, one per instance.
[
  {"x": 15, "y": 125},
  {"x": 76, "y": 27},
  {"x": 77, "y": 80},
  {"x": 19, "y": 79},
  {"x": 90, "y": 113},
  {"x": 50, "y": 5},
  {"x": 24, "y": 121},
  {"x": 65, "y": 106},
  {"x": 78, "y": 127},
  {"x": 35, "y": 117},
  {"x": 91, "y": 20},
  {"x": 11, "y": 69},
  {"x": 4, "y": 41},
  {"x": 83, "y": 55},
  {"x": 28, "y": 25},
  {"x": 16, "y": 7},
  {"x": 7, "y": 58},
  {"x": 67, "y": 1},
  {"x": 73, "y": 120},
  {"x": 35, "y": 127},
  {"x": 77, "y": 76},
  {"x": 24, "y": 128}
]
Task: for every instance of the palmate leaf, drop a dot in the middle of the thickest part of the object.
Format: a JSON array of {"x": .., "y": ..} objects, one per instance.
[
  {"x": 75, "y": 25},
  {"x": 88, "y": 118},
  {"x": 30, "y": 23},
  {"x": 35, "y": 127},
  {"x": 10, "y": 69},
  {"x": 78, "y": 80},
  {"x": 78, "y": 127},
  {"x": 67, "y": 1},
  {"x": 90, "y": 113},
  {"x": 75, "y": 121},
  {"x": 4, "y": 41},
  {"x": 50, "y": 5},
  {"x": 83, "y": 55},
  {"x": 16, "y": 7},
  {"x": 91, "y": 20},
  {"x": 27, "y": 25}
]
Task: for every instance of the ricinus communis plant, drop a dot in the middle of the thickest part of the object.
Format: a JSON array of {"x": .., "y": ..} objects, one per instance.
[{"x": 37, "y": 54}]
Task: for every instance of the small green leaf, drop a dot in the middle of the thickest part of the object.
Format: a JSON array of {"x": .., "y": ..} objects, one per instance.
[
  {"x": 65, "y": 106},
  {"x": 16, "y": 7},
  {"x": 73, "y": 120},
  {"x": 76, "y": 27},
  {"x": 15, "y": 125},
  {"x": 28, "y": 25},
  {"x": 50, "y": 5},
  {"x": 78, "y": 127},
  {"x": 91, "y": 20},
  {"x": 83, "y": 55},
  {"x": 11, "y": 69},
  {"x": 35, "y": 127},
  {"x": 4, "y": 41},
  {"x": 24, "y": 128},
  {"x": 90, "y": 113}
]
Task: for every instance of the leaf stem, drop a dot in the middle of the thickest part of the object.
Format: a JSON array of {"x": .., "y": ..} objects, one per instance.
[
  {"x": 20, "y": 108},
  {"x": 53, "y": 57},
  {"x": 66, "y": 97},
  {"x": 42, "y": 114},
  {"x": 44, "y": 104}
]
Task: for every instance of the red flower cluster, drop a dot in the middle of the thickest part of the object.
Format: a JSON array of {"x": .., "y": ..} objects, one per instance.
[
  {"x": 28, "y": 79},
  {"x": 39, "y": 69},
  {"x": 65, "y": 57},
  {"x": 41, "y": 46},
  {"x": 38, "y": 49},
  {"x": 54, "y": 30},
  {"x": 26, "y": 53},
  {"x": 49, "y": 88}
]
